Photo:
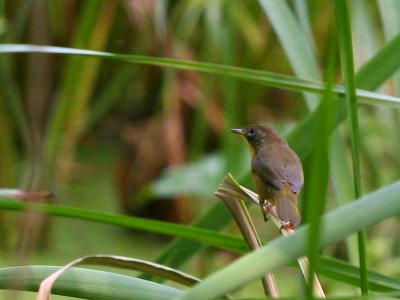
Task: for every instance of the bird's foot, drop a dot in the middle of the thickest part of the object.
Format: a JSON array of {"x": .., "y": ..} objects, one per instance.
[
  {"x": 267, "y": 208},
  {"x": 287, "y": 226}
]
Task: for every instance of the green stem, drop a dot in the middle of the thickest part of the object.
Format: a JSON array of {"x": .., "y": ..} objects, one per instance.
[{"x": 346, "y": 54}]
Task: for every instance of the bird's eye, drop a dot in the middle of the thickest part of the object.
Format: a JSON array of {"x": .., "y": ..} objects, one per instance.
[{"x": 251, "y": 132}]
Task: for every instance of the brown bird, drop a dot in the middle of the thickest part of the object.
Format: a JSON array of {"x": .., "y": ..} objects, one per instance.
[{"x": 277, "y": 173}]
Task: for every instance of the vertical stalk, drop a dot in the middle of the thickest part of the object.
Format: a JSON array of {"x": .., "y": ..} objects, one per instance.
[
  {"x": 239, "y": 211},
  {"x": 346, "y": 56},
  {"x": 317, "y": 176}
]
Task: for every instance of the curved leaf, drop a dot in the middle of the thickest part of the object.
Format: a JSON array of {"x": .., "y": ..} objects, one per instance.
[
  {"x": 120, "y": 262},
  {"x": 87, "y": 284}
]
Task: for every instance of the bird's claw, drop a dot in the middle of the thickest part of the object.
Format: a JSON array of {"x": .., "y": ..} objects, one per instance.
[
  {"x": 267, "y": 208},
  {"x": 287, "y": 225}
]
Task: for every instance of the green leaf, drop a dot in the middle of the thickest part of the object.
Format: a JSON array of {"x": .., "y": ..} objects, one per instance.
[
  {"x": 337, "y": 224},
  {"x": 249, "y": 75},
  {"x": 78, "y": 80},
  {"x": 133, "y": 264},
  {"x": 347, "y": 62},
  {"x": 13, "y": 104},
  {"x": 294, "y": 41},
  {"x": 209, "y": 237},
  {"x": 317, "y": 172},
  {"x": 344, "y": 272},
  {"x": 383, "y": 65},
  {"x": 200, "y": 178},
  {"x": 84, "y": 283}
]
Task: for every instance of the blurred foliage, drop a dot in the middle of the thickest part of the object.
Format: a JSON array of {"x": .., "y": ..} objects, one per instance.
[{"x": 153, "y": 140}]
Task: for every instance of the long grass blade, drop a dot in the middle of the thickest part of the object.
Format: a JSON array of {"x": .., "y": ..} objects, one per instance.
[
  {"x": 346, "y": 55},
  {"x": 295, "y": 42},
  {"x": 350, "y": 274},
  {"x": 383, "y": 65},
  {"x": 77, "y": 83},
  {"x": 390, "y": 18},
  {"x": 177, "y": 230},
  {"x": 120, "y": 262},
  {"x": 317, "y": 174},
  {"x": 86, "y": 284},
  {"x": 249, "y": 75}
]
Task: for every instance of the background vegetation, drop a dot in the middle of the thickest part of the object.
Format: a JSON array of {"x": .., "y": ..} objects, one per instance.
[{"x": 140, "y": 128}]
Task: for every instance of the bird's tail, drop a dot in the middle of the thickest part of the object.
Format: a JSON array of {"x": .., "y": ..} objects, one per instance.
[{"x": 286, "y": 205}]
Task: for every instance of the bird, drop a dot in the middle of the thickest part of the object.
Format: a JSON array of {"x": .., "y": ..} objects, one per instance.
[{"x": 277, "y": 173}]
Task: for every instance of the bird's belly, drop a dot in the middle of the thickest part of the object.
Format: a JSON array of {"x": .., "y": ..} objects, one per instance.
[{"x": 264, "y": 190}]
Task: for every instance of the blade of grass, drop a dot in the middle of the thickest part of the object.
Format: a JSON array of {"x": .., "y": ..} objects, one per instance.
[
  {"x": 86, "y": 284},
  {"x": 12, "y": 99},
  {"x": 249, "y": 75},
  {"x": 80, "y": 75},
  {"x": 10, "y": 156},
  {"x": 15, "y": 29},
  {"x": 116, "y": 261},
  {"x": 342, "y": 271},
  {"x": 364, "y": 45},
  {"x": 107, "y": 97},
  {"x": 301, "y": 9},
  {"x": 231, "y": 105},
  {"x": 383, "y": 65},
  {"x": 390, "y": 18},
  {"x": 317, "y": 176},
  {"x": 200, "y": 235},
  {"x": 346, "y": 56},
  {"x": 209, "y": 52},
  {"x": 343, "y": 185},
  {"x": 368, "y": 210},
  {"x": 249, "y": 28},
  {"x": 295, "y": 42}
]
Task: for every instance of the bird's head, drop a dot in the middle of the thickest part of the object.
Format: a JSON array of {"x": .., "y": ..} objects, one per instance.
[{"x": 258, "y": 134}]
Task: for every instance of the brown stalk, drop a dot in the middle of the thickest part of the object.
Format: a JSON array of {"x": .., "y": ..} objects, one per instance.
[{"x": 233, "y": 200}]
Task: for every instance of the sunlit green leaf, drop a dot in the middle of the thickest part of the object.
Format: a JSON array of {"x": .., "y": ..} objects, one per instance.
[{"x": 87, "y": 284}]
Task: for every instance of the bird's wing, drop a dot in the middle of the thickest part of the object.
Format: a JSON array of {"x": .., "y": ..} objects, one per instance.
[
  {"x": 294, "y": 173},
  {"x": 280, "y": 170}
]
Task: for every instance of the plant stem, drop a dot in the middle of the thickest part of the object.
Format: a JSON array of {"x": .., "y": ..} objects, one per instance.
[
  {"x": 346, "y": 55},
  {"x": 242, "y": 218}
]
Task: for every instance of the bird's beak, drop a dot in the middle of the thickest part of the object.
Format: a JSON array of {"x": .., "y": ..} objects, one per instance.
[{"x": 238, "y": 130}]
